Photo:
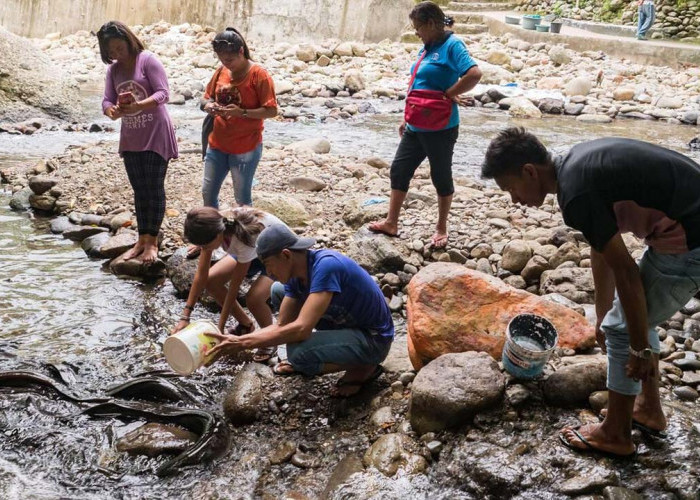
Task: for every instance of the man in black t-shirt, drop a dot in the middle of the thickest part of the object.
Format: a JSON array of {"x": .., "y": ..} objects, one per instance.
[{"x": 607, "y": 187}]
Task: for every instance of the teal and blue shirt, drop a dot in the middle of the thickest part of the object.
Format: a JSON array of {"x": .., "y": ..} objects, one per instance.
[{"x": 446, "y": 62}]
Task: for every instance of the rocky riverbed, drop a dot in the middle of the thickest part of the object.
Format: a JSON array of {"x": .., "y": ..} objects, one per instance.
[{"x": 499, "y": 438}]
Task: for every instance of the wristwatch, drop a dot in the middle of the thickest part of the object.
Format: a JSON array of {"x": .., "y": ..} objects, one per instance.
[
  {"x": 245, "y": 112},
  {"x": 643, "y": 353}
]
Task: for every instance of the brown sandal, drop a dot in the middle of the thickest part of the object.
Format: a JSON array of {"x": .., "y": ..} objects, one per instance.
[{"x": 264, "y": 354}]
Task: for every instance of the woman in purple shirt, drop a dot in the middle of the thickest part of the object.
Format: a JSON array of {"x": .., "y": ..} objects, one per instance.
[{"x": 136, "y": 90}]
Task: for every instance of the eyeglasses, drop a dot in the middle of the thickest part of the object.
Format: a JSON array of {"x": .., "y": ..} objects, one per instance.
[{"x": 224, "y": 46}]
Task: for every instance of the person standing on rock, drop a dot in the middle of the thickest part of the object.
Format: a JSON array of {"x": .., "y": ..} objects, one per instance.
[
  {"x": 444, "y": 65},
  {"x": 607, "y": 187},
  {"x": 647, "y": 14},
  {"x": 240, "y": 96},
  {"x": 237, "y": 230},
  {"x": 332, "y": 316},
  {"x": 136, "y": 90}
]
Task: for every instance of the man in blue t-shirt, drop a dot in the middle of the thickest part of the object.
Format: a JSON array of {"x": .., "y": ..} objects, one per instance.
[{"x": 332, "y": 315}]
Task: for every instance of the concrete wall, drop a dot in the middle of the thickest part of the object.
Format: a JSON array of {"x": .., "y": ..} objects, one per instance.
[{"x": 272, "y": 20}]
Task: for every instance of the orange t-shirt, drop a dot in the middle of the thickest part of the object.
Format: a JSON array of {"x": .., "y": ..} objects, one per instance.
[{"x": 256, "y": 90}]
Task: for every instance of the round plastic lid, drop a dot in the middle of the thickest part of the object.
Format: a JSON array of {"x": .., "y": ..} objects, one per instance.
[{"x": 179, "y": 356}]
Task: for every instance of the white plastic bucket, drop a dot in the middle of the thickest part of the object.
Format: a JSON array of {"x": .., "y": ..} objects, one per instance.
[
  {"x": 530, "y": 340},
  {"x": 187, "y": 350}
]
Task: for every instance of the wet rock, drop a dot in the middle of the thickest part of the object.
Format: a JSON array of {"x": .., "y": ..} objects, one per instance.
[
  {"x": 452, "y": 389},
  {"x": 61, "y": 224},
  {"x": 517, "y": 394},
  {"x": 516, "y": 255},
  {"x": 42, "y": 202},
  {"x": 573, "y": 109},
  {"x": 79, "y": 233},
  {"x": 589, "y": 482},
  {"x": 687, "y": 363},
  {"x": 39, "y": 184},
  {"x": 374, "y": 252},
  {"x": 283, "y": 452},
  {"x": 685, "y": 486},
  {"x": 244, "y": 398},
  {"x": 307, "y": 183},
  {"x": 573, "y": 283},
  {"x": 304, "y": 460},
  {"x": 598, "y": 400},
  {"x": 290, "y": 210},
  {"x": 136, "y": 268},
  {"x": 120, "y": 243},
  {"x": 685, "y": 393},
  {"x": 572, "y": 385},
  {"x": 348, "y": 466},
  {"x": 91, "y": 245},
  {"x": 154, "y": 439},
  {"x": 387, "y": 455},
  {"x": 20, "y": 200},
  {"x": 454, "y": 309},
  {"x": 620, "y": 493},
  {"x": 383, "y": 417}
]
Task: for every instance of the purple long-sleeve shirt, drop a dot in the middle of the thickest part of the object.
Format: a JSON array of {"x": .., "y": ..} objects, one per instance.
[{"x": 150, "y": 129}]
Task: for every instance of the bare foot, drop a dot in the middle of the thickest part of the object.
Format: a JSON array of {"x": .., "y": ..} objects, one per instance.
[
  {"x": 352, "y": 382},
  {"x": 439, "y": 240},
  {"x": 135, "y": 251},
  {"x": 149, "y": 254},
  {"x": 652, "y": 420},
  {"x": 597, "y": 439},
  {"x": 384, "y": 227}
]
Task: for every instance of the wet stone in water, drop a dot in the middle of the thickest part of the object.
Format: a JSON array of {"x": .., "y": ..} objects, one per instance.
[
  {"x": 155, "y": 439},
  {"x": 283, "y": 453}
]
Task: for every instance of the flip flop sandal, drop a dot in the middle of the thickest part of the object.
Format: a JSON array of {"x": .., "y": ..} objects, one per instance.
[
  {"x": 378, "y": 371},
  {"x": 647, "y": 431},
  {"x": 240, "y": 329},
  {"x": 440, "y": 242},
  {"x": 374, "y": 228},
  {"x": 277, "y": 370},
  {"x": 264, "y": 354},
  {"x": 590, "y": 449}
]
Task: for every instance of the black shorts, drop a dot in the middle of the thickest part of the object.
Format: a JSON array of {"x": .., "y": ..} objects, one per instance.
[{"x": 414, "y": 148}]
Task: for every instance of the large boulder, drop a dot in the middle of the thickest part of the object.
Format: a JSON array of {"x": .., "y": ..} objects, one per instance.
[
  {"x": 136, "y": 268},
  {"x": 572, "y": 384},
  {"x": 574, "y": 283},
  {"x": 374, "y": 252},
  {"x": 290, "y": 210},
  {"x": 453, "y": 388},
  {"x": 243, "y": 401},
  {"x": 454, "y": 309},
  {"x": 181, "y": 269}
]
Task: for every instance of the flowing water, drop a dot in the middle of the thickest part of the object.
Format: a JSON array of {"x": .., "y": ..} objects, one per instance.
[{"x": 61, "y": 314}]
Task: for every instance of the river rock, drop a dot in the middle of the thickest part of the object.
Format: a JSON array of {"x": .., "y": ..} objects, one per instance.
[
  {"x": 453, "y": 388},
  {"x": 563, "y": 301},
  {"x": 348, "y": 466},
  {"x": 593, "y": 118},
  {"x": 522, "y": 107},
  {"x": 61, "y": 224},
  {"x": 42, "y": 202},
  {"x": 573, "y": 109},
  {"x": 354, "y": 81},
  {"x": 578, "y": 86},
  {"x": 307, "y": 183},
  {"x": 323, "y": 60},
  {"x": 589, "y": 482},
  {"x": 20, "y": 200},
  {"x": 516, "y": 255},
  {"x": 136, "y": 268},
  {"x": 568, "y": 252},
  {"x": 620, "y": 493},
  {"x": 623, "y": 94},
  {"x": 668, "y": 102},
  {"x": 375, "y": 252},
  {"x": 517, "y": 394},
  {"x": 343, "y": 49},
  {"x": 498, "y": 57},
  {"x": 685, "y": 393},
  {"x": 283, "y": 452},
  {"x": 572, "y": 384},
  {"x": 357, "y": 211},
  {"x": 92, "y": 244},
  {"x": 387, "y": 454},
  {"x": 316, "y": 145},
  {"x": 79, "y": 233},
  {"x": 534, "y": 268},
  {"x": 493, "y": 74},
  {"x": 120, "y": 220},
  {"x": 283, "y": 87},
  {"x": 574, "y": 283},
  {"x": 397, "y": 361},
  {"x": 453, "y": 309},
  {"x": 559, "y": 55},
  {"x": 290, "y": 210},
  {"x": 154, "y": 439},
  {"x": 306, "y": 52},
  {"x": 382, "y": 417},
  {"x": 119, "y": 243},
  {"x": 551, "y": 106},
  {"x": 598, "y": 400},
  {"x": 244, "y": 398}
]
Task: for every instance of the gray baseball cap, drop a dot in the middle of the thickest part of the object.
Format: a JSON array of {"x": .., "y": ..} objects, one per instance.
[{"x": 276, "y": 237}]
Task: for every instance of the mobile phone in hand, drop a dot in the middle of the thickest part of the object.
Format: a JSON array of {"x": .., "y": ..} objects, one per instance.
[{"x": 125, "y": 98}]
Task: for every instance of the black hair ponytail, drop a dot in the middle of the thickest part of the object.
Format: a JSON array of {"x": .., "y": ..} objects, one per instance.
[{"x": 449, "y": 21}]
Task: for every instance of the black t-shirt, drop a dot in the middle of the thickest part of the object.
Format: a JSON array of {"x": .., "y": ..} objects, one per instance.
[{"x": 597, "y": 177}]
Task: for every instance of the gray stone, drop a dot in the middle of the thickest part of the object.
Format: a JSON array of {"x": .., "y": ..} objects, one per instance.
[
  {"x": 453, "y": 388},
  {"x": 61, "y": 224},
  {"x": 307, "y": 183},
  {"x": 589, "y": 482},
  {"x": 387, "y": 454},
  {"x": 573, "y": 109},
  {"x": 568, "y": 252},
  {"x": 563, "y": 301},
  {"x": 481, "y": 250},
  {"x": 434, "y": 447},
  {"x": 573, "y": 283},
  {"x": 244, "y": 398},
  {"x": 598, "y": 400},
  {"x": 354, "y": 81},
  {"x": 289, "y": 209},
  {"x": 395, "y": 303},
  {"x": 578, "y": 86},
  {"x": 669, "y": 102},
  {"x": 516, "y": 255},
  {"x": 154, "y": 439},
  {"x": 687, "y": 364},
  {"x": 42, "y": 202},
  {"x": 534, "y": 268},
  {"x": 91, "y": 245},
  {"x": 314, "y": 145},
  {"x": 283, "y": 452},
  {"x": 304, "y": 460},
  {"x": 375, "y": 252},
  {"x": 691, "y": 378},
  {"x": 20, "y": 200},
  {"x": 397, "y": 360},
  {"x": 620, "y": 493},
  {"x": 559, "y": 55},
  {"x": 39, "y": 184},
  {"x": 551, "y": 106},
  {"x": 572, "y": 385},
  {"x": 383, "y": 417},
  {"x": 120, "y": 220},
  {"x": 136, "y": 268},
  {"x": 119, "y": 243},
  {"x": 348, "y": 466},
  {"x": 593, "y": 118},
  {"x": 517, "y": 394},
  {"x": 79, "y": 233},
  {"x": 685, "y": 393}
]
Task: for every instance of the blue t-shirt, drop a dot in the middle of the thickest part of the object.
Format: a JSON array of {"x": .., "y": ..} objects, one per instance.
[
  {"x": 446, "y": 62},
  {"x": 357, "y": 300}
]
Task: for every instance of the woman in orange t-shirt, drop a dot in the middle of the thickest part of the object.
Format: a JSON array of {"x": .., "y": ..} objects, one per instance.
[{"x": 239, "y": 96}]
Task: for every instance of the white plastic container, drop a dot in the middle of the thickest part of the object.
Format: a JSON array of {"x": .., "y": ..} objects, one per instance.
[{"x": 188, "y": 349}]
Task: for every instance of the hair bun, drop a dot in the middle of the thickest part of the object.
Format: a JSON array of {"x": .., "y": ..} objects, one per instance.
[{"x": 449, "y": 20}]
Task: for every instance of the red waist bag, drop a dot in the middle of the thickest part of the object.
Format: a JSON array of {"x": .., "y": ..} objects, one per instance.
[{"x": 426, "y": 109}]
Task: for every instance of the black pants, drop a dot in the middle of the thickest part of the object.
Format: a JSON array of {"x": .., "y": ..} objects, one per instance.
[
  {"x": 413, "y": 149},
  {"x": 146, "y": 171}
]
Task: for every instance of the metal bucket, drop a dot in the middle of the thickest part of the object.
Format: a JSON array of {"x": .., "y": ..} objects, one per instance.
[{"x": 530, "y": 340}]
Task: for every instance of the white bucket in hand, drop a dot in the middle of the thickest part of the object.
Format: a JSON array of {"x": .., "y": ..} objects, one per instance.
[{"x": 187, "y": 350}]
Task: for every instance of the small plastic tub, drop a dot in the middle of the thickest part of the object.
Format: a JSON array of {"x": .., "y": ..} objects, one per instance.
[{"x": 188, "y": 349}]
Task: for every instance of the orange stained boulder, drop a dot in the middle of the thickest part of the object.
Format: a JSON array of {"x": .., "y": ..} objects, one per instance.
[{"x": 454, "y": 309}]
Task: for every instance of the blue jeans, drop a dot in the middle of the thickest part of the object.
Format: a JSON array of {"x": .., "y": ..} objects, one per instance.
[
  {"x": 647, "y": 14},
  {"x": 242, "y": 167},
  {"x": 670, "y": 281},
  {"x": 344, "y": 346}
]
